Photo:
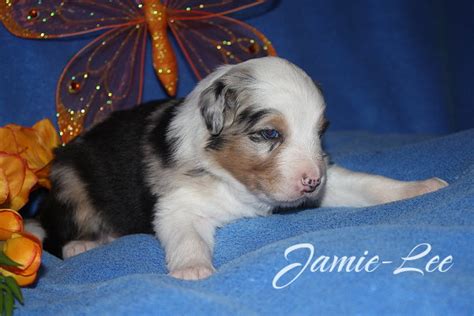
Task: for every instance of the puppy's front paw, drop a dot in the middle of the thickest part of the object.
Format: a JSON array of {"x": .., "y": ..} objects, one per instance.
[{"x": 193, "y": 273}]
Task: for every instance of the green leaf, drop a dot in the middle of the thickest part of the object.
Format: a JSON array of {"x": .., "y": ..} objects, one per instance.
[
  {"x": 1, "y": 302},
  {"x": 8, "y": 301},
  {"x": 5, "y": 261},
  {"x": 11, "y": 283}
]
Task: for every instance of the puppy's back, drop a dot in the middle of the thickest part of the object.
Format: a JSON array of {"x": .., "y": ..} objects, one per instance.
[{"x": 98, "y": 188}]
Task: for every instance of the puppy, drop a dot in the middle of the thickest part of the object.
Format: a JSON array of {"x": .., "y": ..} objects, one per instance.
[{"x": 246, "y": 141}]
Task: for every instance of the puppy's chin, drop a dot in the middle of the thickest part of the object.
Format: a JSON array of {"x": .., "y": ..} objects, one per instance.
[
  {"x": 289, "y": 204},
  {"x": 289, "y": 200}
]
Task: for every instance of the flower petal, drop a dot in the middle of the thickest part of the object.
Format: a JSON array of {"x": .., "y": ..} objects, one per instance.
[
  {"x": 25, "y": 250},
  {"x": 14, "y": 169},
  {"x": 20, "y": 279},
  {"x": 4, "y": 190},
  {"x": 47, "y": 133},
  {"x": 22, "y": 198},
  {"x": 43, "y": 176},
  {"x": 35, "y": 145},
  {"x": 30, "y": 147},
  {"x": 20, "y": 180},
  {"x": 10, "y": 222},
  {"x": 7, "y": 141}
]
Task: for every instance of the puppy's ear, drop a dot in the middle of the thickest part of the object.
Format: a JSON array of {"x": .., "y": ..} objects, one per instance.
[{"x": 217, "y": 103}]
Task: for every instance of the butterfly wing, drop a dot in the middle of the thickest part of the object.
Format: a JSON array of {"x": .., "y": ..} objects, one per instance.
[
  {"x": 184, "y": 9},
  {"x": 214, "y": 40},
  {"x": 104, "y": 76},
  {"x": 61, "y": 18}
]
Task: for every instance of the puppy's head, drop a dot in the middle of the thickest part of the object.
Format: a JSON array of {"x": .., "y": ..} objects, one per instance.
[{"x": 265, "y": 118}]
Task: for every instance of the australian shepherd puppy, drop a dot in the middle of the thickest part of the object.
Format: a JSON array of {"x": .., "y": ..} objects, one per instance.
[{"x": 247, "y": 140}]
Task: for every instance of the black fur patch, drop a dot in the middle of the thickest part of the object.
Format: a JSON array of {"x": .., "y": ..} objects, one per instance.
[
  {"x": 216, "y": 142},
  {"x": 57, "y": 219},
  {"x": 249, "y": 117},
  {"x": 218, "y": 86},
  {"x": 163, "y": 144},
  {"x": 108, "y": 160}
]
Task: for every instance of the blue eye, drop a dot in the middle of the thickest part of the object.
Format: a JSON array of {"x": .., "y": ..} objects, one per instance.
[{"x": 270, "y": 134}]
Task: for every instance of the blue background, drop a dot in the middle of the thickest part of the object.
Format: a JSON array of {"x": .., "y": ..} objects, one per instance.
[{"x": 385, "y": 66}]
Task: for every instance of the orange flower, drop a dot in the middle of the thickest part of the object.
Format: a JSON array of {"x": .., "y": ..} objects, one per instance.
[
  {"x": 24, "y": 249},
  {"x": 4, "y": 190},
  {"x": 25, "y": 157},
  {"x": 16, "y": 181},
  {"x": 20, "y": 279},
  {"x": 10, "y": 222},
  {"x": 34, "y": 144}
]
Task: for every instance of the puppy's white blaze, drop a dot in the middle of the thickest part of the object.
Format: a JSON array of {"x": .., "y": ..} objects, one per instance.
[{"x": 290, "y": 91}]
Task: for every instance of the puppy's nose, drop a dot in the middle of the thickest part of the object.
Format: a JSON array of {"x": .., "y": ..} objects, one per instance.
[{"x": 310, "y": 183}]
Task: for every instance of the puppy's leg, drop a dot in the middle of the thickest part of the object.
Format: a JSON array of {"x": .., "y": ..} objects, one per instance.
[
  {"x": 349, "y": 188},
  {"x": 188, "y": 240}
]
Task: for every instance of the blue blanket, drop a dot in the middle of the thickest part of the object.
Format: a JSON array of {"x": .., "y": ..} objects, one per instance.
[{"x": 129, "y": 277}]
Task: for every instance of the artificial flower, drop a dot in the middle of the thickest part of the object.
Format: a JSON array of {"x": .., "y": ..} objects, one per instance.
[
  {"x": 34, "y": 144},
  {"x": 16, "y": 181},
  {"x": 20, "y": 279},
  {"x": 24, "y": 249},
  {"x": 10, "y": 222},
  {"x": 4, "y": 190}
]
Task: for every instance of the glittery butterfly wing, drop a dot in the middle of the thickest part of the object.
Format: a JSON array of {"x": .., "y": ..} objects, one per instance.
[
  {"x": 63, "y": 18},
  {"x": 104, "y": 76},
  {"x": 208, "y": 38}
]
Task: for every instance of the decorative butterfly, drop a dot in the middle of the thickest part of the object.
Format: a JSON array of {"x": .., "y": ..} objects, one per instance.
[{"x": 107, "y": 74}]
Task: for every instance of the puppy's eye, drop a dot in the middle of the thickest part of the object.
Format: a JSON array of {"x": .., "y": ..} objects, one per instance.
[{"x": 269, "y": 134}]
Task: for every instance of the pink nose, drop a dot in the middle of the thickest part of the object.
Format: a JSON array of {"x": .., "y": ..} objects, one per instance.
[{"x": 310, "y": 183}]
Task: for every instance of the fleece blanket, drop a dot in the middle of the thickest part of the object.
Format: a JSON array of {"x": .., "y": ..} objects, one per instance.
[{"x": 425, "y": 244}]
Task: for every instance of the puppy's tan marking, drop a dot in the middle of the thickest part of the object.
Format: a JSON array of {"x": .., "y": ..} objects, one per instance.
[
  {"x": 256, "y": 170},
  {"x": 72, "y": 191}
]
